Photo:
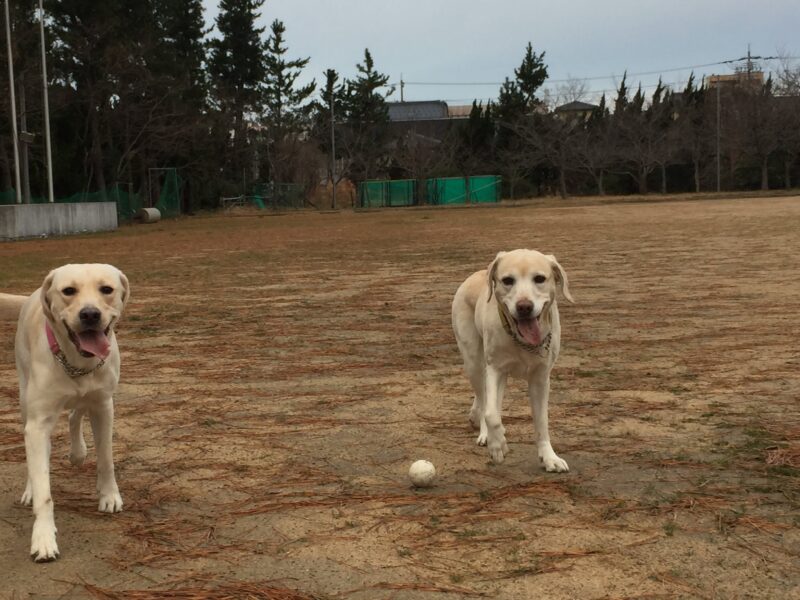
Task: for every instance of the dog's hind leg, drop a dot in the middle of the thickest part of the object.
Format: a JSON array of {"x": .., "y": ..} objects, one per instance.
[
  {"x": 477, "y": 378},
  {"x": 471, "y": 346},
  {"x": 27, "y": 495},
  {"x": 77, "y": 453}
]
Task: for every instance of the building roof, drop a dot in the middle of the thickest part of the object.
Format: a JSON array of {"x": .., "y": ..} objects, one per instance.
[
  {"x": 423, "y": 110},
  {"x": 575, "y": 106},
  {"x": 459, "y": 112}
]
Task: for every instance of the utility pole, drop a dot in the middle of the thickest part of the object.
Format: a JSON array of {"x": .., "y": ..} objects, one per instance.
[
  {"x": 13, "y": 106},
  {"x": 333, "y": 154},
  {"x": 718, "y": 122},
  {"x": 25, "y": 140},
  {"x": 46, "y": 106},
  {"x": 402, "y": 87}
]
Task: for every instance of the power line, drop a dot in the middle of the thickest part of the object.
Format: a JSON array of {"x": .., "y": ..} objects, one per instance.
[{"x": 597, "y": 77}]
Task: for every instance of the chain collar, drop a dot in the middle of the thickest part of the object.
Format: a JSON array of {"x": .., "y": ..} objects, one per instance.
[
  {"x": 544, "y": 345},
  {"x": 59, "y": 355},
  {"x": 72, "y": 370}
]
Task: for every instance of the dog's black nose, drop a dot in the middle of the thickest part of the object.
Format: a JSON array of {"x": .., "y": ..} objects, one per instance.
[
  {"x": 89, "y": 315},
  {"x": 524, "y": 309}
]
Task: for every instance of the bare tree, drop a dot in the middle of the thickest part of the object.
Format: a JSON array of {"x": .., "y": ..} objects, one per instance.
[
  {"x": 787, "y": 77},
  {"x": 756, "y": 117},
  {"x": 553, "y": 140},
  {"x": 594, "y": 151}
]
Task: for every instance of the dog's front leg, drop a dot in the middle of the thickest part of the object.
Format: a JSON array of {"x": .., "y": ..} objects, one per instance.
[
  {"x": 538, "y": 395},
  {"x": 37, "y": 454},
  {"x": 101, "y": 416},
  {"x": 495, "y": 385}
]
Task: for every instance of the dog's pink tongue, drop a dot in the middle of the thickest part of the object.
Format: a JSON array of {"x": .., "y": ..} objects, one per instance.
[
  {"x": 530, "y": 332},
  {"x": 94, "y": 342}
]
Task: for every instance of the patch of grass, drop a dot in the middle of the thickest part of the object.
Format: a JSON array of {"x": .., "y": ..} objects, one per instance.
[
  {"x": 467, "y": 533},
  {"x": 670, "y": 527},
  {"x": 580, "y": 373},
  {"x": 784, "y": 470},
  {"x": 612, "y": 511}
]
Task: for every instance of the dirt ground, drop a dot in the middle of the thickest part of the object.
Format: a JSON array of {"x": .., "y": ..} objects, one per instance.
[{"x": 280, "y": 373}]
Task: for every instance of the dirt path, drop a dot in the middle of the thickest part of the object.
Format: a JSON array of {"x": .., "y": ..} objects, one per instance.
[{"x": 281, "y": 373}]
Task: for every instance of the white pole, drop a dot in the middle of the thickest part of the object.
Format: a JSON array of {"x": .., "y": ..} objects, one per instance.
[
  {"x": 49, "y": 157},
  {"x": 13, "y": 107}
]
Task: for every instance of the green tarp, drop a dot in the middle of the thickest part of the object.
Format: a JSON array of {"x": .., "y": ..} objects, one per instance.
[
  {"x": 128, "y": 204},
  {"x": 442, "y": 190}
]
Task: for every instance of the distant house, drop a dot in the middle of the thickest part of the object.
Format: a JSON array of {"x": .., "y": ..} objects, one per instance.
[
  {"x": 461, "y": 111},
  {"x": 575, "y": 110},
  {"x": 753, "y": 80},
  {"x": 424, "y": 110},
  {"x": 430, "y": 119}
]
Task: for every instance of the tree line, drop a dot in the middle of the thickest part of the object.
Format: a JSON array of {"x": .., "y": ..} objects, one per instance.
[{"x": 137, "y": 85}]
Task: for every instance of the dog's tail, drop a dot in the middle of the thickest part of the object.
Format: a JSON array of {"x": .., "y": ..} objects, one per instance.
[{"x": 10, "y": 305}]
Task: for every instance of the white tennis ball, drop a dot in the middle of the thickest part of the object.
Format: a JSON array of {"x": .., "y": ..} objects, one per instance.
[{"x": 422, "y": 474}]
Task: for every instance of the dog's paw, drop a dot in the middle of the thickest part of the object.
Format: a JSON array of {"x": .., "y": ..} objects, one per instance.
[
  {"x": 110, "y": 503},
  {"x": 498, "y": 449},
  {"x": 78, "y": 455},
  {"x": 43, "y": 543},
  {"x": 27, "y": 496},
  {"x": 554, "y": 464},
  {"x": 474, "y": 418},
  {"x": 482, "y": 439}
]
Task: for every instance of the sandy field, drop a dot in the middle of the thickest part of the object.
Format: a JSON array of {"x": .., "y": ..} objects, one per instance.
[{"x": 280, "y": 374}]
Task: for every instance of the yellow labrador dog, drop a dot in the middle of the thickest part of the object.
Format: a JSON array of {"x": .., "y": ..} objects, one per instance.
[
  {"x": 505, "y": 320},
  {"x": 67, "y": 358}
]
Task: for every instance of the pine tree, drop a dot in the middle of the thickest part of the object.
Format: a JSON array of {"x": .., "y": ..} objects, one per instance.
[
  {"x": 183, "y": 50},
  {"x": 236, "y": 61},
  {"x": 530, "y": 75},
  {"x": 237, "y": 70},
  {"x": 365, "y": 103},
  {"x": 334, "y": 91},
  {"x": 287, "y": 107},
  {"x": 511, "y": 102},
  {"x": 367, "y": 116},
  {"x": 621, "y": 102}
]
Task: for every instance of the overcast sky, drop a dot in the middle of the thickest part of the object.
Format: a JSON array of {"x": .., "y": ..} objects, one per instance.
[{"x": 473, "y": 41}]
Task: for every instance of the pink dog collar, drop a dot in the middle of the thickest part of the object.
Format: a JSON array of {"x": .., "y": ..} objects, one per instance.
[{"x": 51, "y": 339}]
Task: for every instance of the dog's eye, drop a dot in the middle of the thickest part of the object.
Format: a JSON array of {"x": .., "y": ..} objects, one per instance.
[
  {"x": 508, "y": 280},
  {"x": 69, "y": 291},
  {"x": 106, "y": 289},
  {"x": 539, "y": 279}
]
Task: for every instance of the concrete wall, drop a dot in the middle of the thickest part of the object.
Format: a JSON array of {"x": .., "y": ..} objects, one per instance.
[{"x": 35, "y": 220}]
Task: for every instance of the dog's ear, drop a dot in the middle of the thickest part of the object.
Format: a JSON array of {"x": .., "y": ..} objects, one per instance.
[
  {"x": 492, "y": 273},
  {"x": 126, "y": 288},
  {"x": 561, "y": 278},
  {"x": 45, "y": 295}
]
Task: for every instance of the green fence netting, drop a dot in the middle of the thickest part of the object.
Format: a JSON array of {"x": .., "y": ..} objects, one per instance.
[
  {"x": 442, "y": 190},
  {"x": 278, "y": 196},
  {"x": 485, "y": 188},
  {"x": 463, "y": 190},
  {"x": 169, "y": 200},
  {"x": 395, "y": 192}
]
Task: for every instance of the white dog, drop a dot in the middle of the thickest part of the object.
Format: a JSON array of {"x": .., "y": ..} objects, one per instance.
[
  {"x": 67, "y": 358},
  {"x": 505, "y": 320}
]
